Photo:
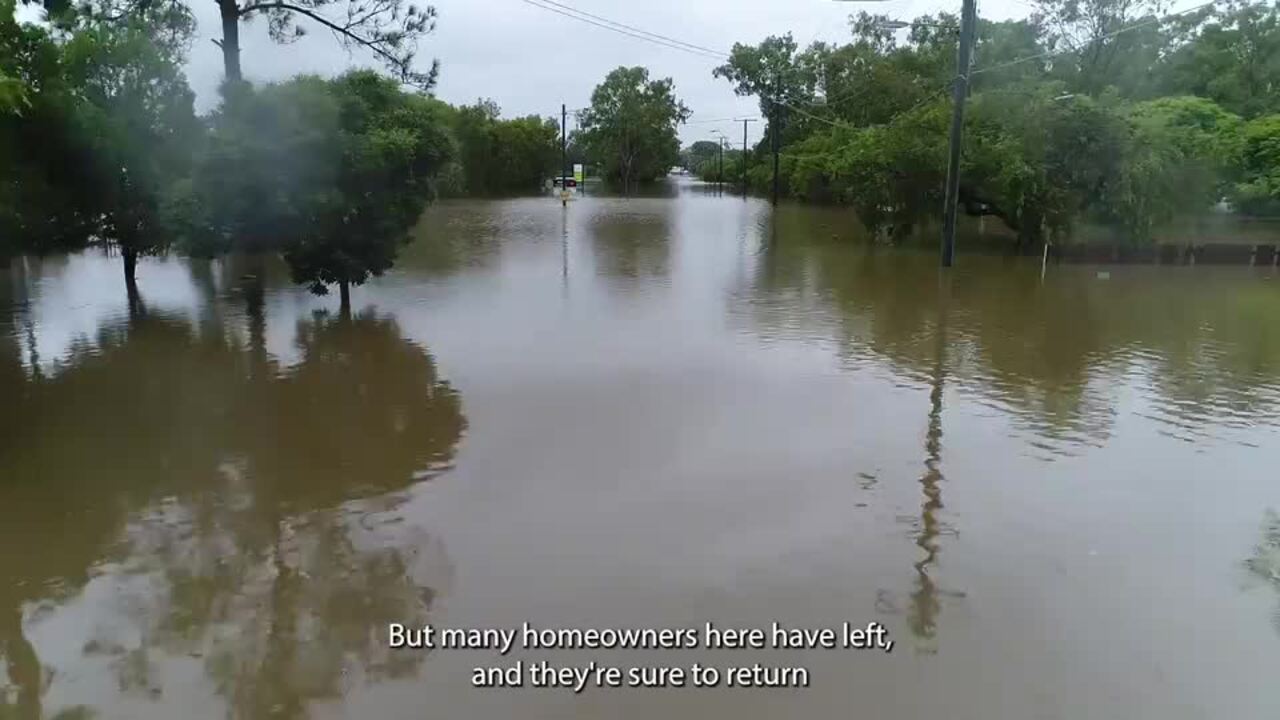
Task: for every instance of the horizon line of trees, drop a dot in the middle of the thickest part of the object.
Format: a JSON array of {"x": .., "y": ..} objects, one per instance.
[
  {"x": 702, "y": 158},
  {"x": 1105, "y": 112}
]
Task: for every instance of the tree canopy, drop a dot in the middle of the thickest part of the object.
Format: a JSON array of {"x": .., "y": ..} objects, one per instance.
[
  {"x": 1106, "y": 112},
  {"x": 106, "y": 123},
  {"x": 101, "y": 147},
  {"x": 389, "y": 29},
  {"x": 629, "y": 131},
  {"x": 692, "y": 157},
  {"x": 332, "y": 173},
  {"x": 497, "y": 156}
]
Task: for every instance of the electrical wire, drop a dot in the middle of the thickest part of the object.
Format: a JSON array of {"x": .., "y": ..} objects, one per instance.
[
  {"x": 632, "y": 28},
  {"x": 673, "y": 43},
  {"x": 636, "y": 33}
]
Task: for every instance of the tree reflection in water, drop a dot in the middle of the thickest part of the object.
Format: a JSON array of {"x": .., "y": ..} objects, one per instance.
[
  {"x": 254, "y": 526},
  {"x": 629, "y": 246},
  {"x": 1201, "y": 348}
]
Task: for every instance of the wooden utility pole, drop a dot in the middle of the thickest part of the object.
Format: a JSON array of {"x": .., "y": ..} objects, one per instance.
[
  {"x": 951, "y": 199},
  {"x": 564, "y": 152},
  {"x": 744, "y": 155},
  {"x": 720, "y": 172},
  {"x": 773, "y": 140}
]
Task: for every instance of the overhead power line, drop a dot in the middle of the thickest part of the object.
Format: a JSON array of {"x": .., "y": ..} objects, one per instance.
[
  {"x": 624, "y": 29},
  {"x": 632, "y": 28},
  {"x": 676, "y": 44}
]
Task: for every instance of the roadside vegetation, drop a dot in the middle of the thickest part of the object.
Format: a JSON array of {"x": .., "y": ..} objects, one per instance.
[
  {"x": 1105, "y": 112},
  {"x": 101, "y": 146}
]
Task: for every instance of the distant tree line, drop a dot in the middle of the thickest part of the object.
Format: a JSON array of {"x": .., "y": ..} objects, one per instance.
[
  {"x": 1105, "y": 112},
  {"x": 496, "y": 156},
  {"x": 704, "y": 159}
]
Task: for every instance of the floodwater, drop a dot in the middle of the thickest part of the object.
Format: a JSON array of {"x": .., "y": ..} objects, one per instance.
[{"x": 654, "y": 412}]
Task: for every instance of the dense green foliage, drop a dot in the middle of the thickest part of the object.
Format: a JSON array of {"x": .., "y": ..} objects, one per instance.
[
  {"x": 389, "y": 29},
  {"x": 101, "y": 147},
  {"x": 1102, "y": 112},
  {"x": 1259, "y": 187},
  {"x": 692, "y": 157},
  {"x": 629, "y": 132},
  {"x": 497, "y": 156},
  {"x": 106, "y": 124},
  {"x": 713, "y": 169},
  {"x": 332, "y": 173}
]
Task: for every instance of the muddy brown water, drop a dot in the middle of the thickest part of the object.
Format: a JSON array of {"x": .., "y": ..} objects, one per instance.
[{"x": 654, "y": 412}]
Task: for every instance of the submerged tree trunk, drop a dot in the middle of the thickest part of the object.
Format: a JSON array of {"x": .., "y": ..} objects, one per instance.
[
  {"x": 1030, "y": 226},
  {"x": 344, "y": 288},
  {"x": 255, "y": 302},
  {"x": 230, "y": 43},
  {"x": 130, "y": 268}
]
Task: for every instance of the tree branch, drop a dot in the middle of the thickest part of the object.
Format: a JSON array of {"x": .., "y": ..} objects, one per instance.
[{"x": 344, "y": 30}]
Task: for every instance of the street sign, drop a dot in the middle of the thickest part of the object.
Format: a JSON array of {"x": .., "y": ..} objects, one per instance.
[{"x": 579, "y": 173}]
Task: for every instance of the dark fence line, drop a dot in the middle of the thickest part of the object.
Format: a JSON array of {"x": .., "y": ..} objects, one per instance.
[{"x": 1168, "y": 254}]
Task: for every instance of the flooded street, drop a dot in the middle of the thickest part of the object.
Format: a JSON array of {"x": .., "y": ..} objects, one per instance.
[{"x": 649, "y": 412}]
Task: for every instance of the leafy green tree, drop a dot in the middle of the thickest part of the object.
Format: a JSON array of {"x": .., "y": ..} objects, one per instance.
[
  {"x": 1206, "y": 138},
  {"x": 271, "y": 157},
  {"x": 391, "y": 143},
  {"x": 1047, "y": 160},
  {"x": 710, "y": 169},
  {"x": 1258, "y": 192},
  {"x": 497, "y": 156},
  {"x": 333, "y": 174},
  {"x": 1001, "y": 43},
  {"x": 472, "y": 126},
  {"x": 1231, "y": 56},
  {"x": 770, "y": 71},
  {"x": 107, "y": 124},
  {"x": 13, "y": 92},
  {"x": 775, "y": 72},
  {"x": 692, "y": 157},
  {"x": 528, "y": 152},
  {"x": 1091, "y": 49},
  {"x": 1067, "y": 120},
  {"x": 137, "y": 121},
  {"x": 38, "y": 201},
  {"x": 630, "y": 129},
  {"x": 390, "y": 29}
]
